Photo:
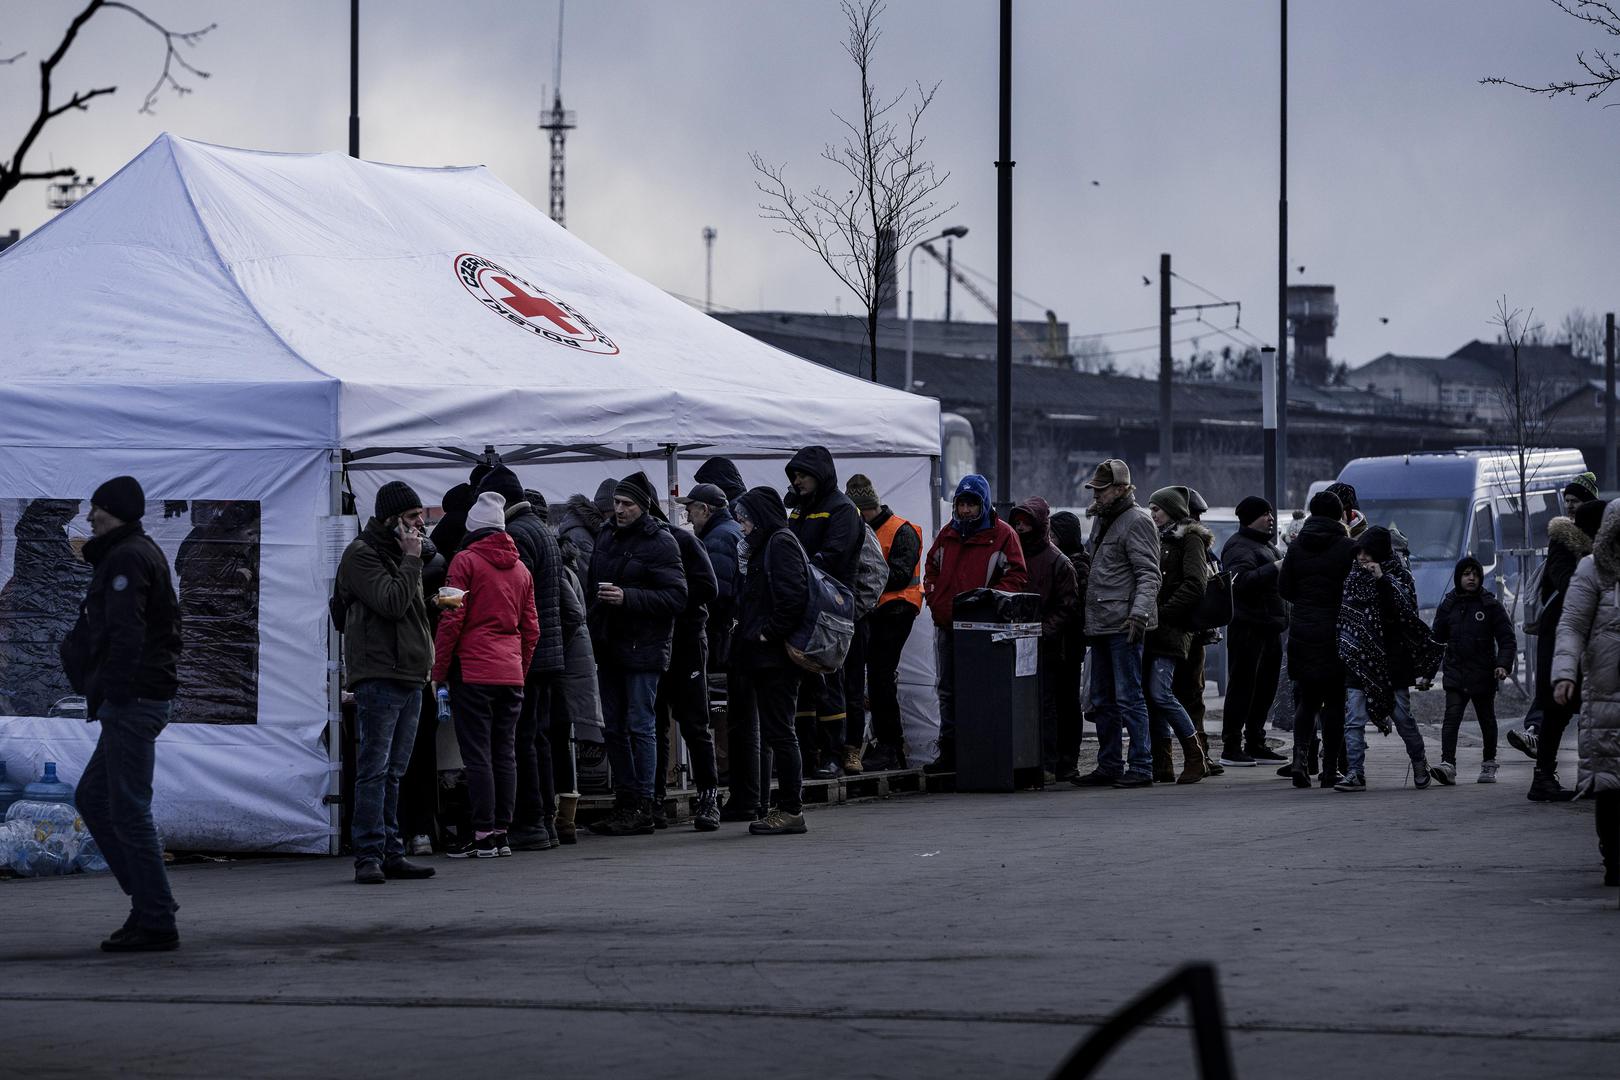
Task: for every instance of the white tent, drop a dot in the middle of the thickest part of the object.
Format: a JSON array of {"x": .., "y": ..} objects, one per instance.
[{"x": 236, "y": 327}]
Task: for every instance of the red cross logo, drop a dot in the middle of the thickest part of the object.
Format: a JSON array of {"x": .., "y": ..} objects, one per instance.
[
  {"x": 535, "y": 306},
  {"x": 528, "y": 306}
]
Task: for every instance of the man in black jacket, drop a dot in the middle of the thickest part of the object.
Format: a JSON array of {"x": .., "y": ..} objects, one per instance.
[
  {"x": 1254, "y": 641},
  {"x": 765, "y": 683},
  {"x": 123, "y": 655},
  {"x": 633, "y": 594},
  {"x": 1312, "y": 581},
  {"x": 831, "y": 531},
  {"x": 1480, "y": 650},
  {"x": 535, "y": 807}
]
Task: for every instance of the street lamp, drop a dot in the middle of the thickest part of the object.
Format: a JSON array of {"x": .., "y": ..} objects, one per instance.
[{"x": 956, "y": 231}]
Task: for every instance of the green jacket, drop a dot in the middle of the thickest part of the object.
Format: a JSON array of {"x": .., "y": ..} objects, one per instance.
[
  {"x": 386, "y": 634},
  {"x": 1184, "y": 560}
]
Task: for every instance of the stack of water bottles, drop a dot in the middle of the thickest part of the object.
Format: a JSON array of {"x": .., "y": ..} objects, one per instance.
[{"x": 42, "y": 834}]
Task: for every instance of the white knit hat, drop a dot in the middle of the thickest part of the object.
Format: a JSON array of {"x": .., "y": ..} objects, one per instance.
[{"x": 489, "y": 512}]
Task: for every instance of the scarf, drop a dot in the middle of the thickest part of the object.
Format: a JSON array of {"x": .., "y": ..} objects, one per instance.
[{"x": 1364, "y": 639}]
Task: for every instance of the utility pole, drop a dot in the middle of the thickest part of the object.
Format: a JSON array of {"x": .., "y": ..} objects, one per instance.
[
  {"x": 354, "y": 78},
  {"x": 1167, "y": 437},
  {"x": 947, "y": 282},
  {"x": 1268, "y": 421},
  {"x": 1611, "y": 460},
  {"x": 1004, "y": 290},
  {"x": 708, "y": 267},
  {"x": 1280, "y": 493}
]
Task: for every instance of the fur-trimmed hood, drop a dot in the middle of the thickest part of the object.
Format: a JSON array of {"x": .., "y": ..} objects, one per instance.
[
  {"x": 585, "y": 509},
  {"x": 1182, "y": 528},
  {"x": 1563, "y": 531},
  {"x": 1606, "y": 548}
]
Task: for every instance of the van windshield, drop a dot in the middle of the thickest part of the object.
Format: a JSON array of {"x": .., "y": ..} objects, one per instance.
[{"x": 1433, "y": 527}]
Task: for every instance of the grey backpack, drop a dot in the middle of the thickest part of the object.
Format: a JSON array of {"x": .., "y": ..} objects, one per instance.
[{"x": 871, "y": 574}]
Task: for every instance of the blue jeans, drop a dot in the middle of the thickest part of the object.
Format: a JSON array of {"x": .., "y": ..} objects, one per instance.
[
  {"x": 1117, "y": 700},
  {"x": 630, "y": 722},
  {"x": 1355, "y": 728},
  {"x": 386, "y": 715},
  {"x": 1165, "y": 709},
  {"x": 115, "y": 800}
]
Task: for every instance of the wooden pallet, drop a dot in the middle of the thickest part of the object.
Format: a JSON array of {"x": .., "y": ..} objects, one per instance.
[{"x": 836, "y": 792}]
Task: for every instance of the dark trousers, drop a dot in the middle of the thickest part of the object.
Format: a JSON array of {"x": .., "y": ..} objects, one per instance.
[
  {"x": 386, "y": 715},
  {"x": 564, "y": 778},
  {"x": 115, "y": 799},
  {"x": 1484, "y": 712},
  {"x": 945, "y": 684},
  {"x": 419, "y": 788},
  {"x": 1051, "y": 673},
  {"x": 1319, "y": 707},
  {"x": 762, "y": 733},
  {"x": 683, "y": 696},
  {"x": 1555, "y": 720},
  {"x": 821, "y": 716},
  {"x": 536, "y": 795},
  {"x": 1188, "y": 685},
  {"x": 1070, "y": 709},
  {"x": 1254, "y": 662},
  {"x": 486, "y": 731},
  {"x": 1608, "y": 826},
  {"x": 854, "y": 733},
  {"x": 890, "y": 629}
]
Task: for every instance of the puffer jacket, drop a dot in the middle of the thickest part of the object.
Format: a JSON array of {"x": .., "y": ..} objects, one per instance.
[
  {"x": 644, "y": 560},
  {"x": 827, "y": 523},
  {"x": 492, "y": 636},
  {"x": 582, "y": 522},
  {"x": 1312, "y": 581},
  {"x": 1124, "y": 579},
  {"x": 964, "y": 557},
  {"x": 1477, "y": 633},
  {"x": 1589, "y": 644},
  {"x": 1051, "y": 574},
  {"x": 127, "y": 641},
  {"x": 538, "y": 551},
  {"x": 774, "y": 589},
  {"x": 580, "y": 693},
  {"x": 1566, "y": 546},
  {"x": 1251, "y": 557},
  {"x": 1184, "y": 560}
]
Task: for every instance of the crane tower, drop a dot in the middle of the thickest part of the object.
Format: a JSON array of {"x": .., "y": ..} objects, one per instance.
[{"x": 558, "y": 122}]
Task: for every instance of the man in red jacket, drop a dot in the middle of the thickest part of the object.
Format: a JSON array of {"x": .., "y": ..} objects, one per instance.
[{"x": 974, "y": 551}]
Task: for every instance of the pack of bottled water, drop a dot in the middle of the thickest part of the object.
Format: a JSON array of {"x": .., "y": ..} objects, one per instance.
[{"x": 46, "y": 839}]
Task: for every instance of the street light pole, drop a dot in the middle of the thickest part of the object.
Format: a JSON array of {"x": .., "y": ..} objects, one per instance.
[
  {"x": 1280, "y": 491},
  {"x": 1268, "y": 421},
  {"x": 354, "y": 78},
  {"x": 1004, "y": 293},
  {"x": 955, "y": 231}
]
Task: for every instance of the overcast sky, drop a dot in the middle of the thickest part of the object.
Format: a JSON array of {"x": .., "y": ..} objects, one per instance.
[{"x": 1422, "y": 195}]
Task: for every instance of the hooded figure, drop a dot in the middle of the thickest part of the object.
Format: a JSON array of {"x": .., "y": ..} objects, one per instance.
[
  {"x": 722, "y": 474},
  {"x": 582, "y": 522},
  {"x": 1311, "y": 580},
  {"x": 38, "y": 607},
  {"x": 981, "y": 552},
  {"x": 1184, "y": 567},
  {"x": 1051, "y": 574},
  {"x": 1477, "y": 634},
  {"x": 1383, "y": 644},
  {"x": 824, "y": 520}
]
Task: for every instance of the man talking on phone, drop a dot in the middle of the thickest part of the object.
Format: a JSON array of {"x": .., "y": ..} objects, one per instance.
[{"x": 387, "y": 656}]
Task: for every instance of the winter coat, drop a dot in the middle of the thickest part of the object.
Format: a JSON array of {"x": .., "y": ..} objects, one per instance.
[
  {"x": 491, "y": 638},
  {"x": 826, "y": 523},
  {"x": 1589, "y": 644},
  {"x": 1312, "y": 581},
  {"x": 722, "y": 474},
  {"x": 582, "y": 522},
  {"x": 538, "y": 551},
  {"x": 721, "y": 535},
  {"x": 1251, "y": 558},
  {"x": 774, "y": 589},
  {"x": 1566, "y": 546},
  {"x": 1477, "y": 633},
  {"x": 1124, "y": 578},
  {"x": 1184, "y": 560},
  {"x": 701, "y": 584},
  {"x": 1383, "y": 644},
  {"x": 126, "y": 642},
  {"x": 37, "y": 607},
  {"x": 581, "y": 695},
  {"x": 385, "y": 624},
  {"x": 972, "y": 557},
  {"x": 1050, "y": 572},
  {"x": 644, "y": 560}
]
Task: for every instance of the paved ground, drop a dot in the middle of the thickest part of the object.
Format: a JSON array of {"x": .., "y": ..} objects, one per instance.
[{"x": 1451, "y": 932}]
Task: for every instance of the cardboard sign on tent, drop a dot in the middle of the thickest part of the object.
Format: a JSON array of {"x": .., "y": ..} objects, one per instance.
[{"x": 250, "y": 334}]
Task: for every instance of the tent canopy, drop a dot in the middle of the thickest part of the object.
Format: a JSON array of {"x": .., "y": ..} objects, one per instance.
[{"x": 361, "y": 305}]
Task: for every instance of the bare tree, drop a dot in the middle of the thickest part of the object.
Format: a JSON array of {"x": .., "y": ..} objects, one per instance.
[
  {"x": 15, "y": 171},
  {"x": 1525, "y": 398},
  {"x": 888, "y": 187},
  {"x": 1092, "y": 354},
  {"x": 1583, "y": 330},
  {"x": 1602, "y": 66}
]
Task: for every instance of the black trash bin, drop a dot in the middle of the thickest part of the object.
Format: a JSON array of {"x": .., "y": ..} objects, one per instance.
[{"x": 996, "y": 637}]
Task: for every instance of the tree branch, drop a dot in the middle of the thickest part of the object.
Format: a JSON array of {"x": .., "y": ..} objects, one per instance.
[{"x": 1599, "y": 64}]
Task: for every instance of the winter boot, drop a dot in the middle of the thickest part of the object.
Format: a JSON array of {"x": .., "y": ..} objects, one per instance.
[
  {"x": 1544, "y": 787},
  {"x": 1164, "y": 766},
  {"x": 566, "y": 831},
  {"x": 1212, "y": 767},
  {"x": 1299, "y": 770},
  {"x": 1311, "y": 764},
  {"x": 1193, "y": 756}
]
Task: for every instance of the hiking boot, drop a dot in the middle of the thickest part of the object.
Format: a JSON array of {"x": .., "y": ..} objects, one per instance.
[
  {"x": 534, "y": 838},
  {"x": 659, "y": 814},
  {"x": 613, "y": 823},
  {"x": 1487, "y": 773},
  {"x": 878, "y": 758},
  {"x": 142, "y": 939},
  {"x": 1298, "y": 769},
  {"x": 567, "y": 830},
  {"x": 1193, "y": 761},
  {"x": 399, "y": 868},
  {"x": 125, "y": 930},
  {"x": 1095, "y": 778},
  {"x": 469, "y": 848},
  {"x": 644, "y": 822},
  {"x": 706, "y": 811},
  {"x": 1329, "y": 778},
  {"x": 1134, "y": 780},
  {"x": 1544, "y": 787},
  {"x": 945, "y": 762},
  {"x": 1164, "y": 766},
  {"x": 827, "y": 770},
  {"x": 779, "y": 823},
  {"x": 1263, "y": 753},
  {"x": 1235, "y": 758},
  {"x": 1445, "y": 773},
  {"x": 1523, "y": 741},
  {"x": 367, "y": 872},
  {"x": 1353, "y": 782},
  {"x": 1420, "y": 774},
  {"x": 852, "y": 760},
  {"x": 1211, "y": 766}
]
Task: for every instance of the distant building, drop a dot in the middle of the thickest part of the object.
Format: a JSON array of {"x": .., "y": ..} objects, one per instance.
[
  {"x": 1468, "y": 385},
  {"x": 1043, "y": 343},
  {"x": 7, "y": 239}
]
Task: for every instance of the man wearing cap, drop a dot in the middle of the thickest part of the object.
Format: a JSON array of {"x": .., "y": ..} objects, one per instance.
[
  {"x": 709, "y": 511},
  {"x": 387, "y": 655},
  {"x": 1122, "y": 605},
  {"x": 123, "y": 655},
  {"x": 889, "y": 624},
  {"x": 1254, "y": 641},
  {"x": 634, "y": 590}
]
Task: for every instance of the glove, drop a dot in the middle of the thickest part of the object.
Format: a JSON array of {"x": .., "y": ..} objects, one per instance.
[
  {"x": 1135, "y": 629},
  {"x": 1384, "y": 726}
]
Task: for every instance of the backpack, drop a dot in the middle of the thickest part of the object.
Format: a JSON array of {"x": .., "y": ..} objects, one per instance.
[
  {"x": 870, "y": 575},
  {"x": 1215, "y": 610},
  {"x": 821, "y": 641},
  {"x": 337, "y": 605},
  {"x": 1530, "y": 594}
]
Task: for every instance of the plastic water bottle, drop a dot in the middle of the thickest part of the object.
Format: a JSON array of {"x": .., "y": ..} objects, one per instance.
[
  {"x": 10, "y": 790},
  {"x": 42, "y": 839},
  {"x": 444, "y": 705},
  {"x": 49, "y": 788}
]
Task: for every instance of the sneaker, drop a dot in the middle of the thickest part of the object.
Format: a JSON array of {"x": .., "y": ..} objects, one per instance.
[
  {"x": 141, "y": 939},
  {"x": 1523, "y": 741},
  {"x": 1445, "y": 773},
  {"x": 1134, "y": 780},
  {"x": 827, "y": 770},
  {"x": 613, "y": 823},
  {"x": 1095, "y": 778},
  {"x": 1420, "y": 774},
  {"x": 706, "y": 811},
  {"x": 420, "y": 845},
  {"x": 1329, "y": 778},
  {"x": 1353, "y": 782},
  {"x": 1236, "y": 759},
  {"x": 880, "y": 758},
  {"x": 1264, "y": 753},
  {"x": 644, "y": 822},
  {"x": 399, "y": 868},
  {"x": 779, "y": 823},
  {"x": 530, "y": 839},
  {"x": 1487, "y": 773},
  {"x": 852, "y": 760},
  {"x": 659, "y": 815},
  {"x": 469, "y": 848},
  {"x": 366, "y": 872},
  {"x": 1286, "y": 771}
]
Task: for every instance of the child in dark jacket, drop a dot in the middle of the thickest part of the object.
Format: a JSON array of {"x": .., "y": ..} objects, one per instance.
[{"x": 1480, "y": 648}]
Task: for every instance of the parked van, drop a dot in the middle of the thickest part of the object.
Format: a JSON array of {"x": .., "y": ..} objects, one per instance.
[{"x": 1450, "y": 503}]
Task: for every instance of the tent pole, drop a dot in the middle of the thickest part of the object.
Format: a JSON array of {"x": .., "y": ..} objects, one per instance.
[
  {"x": 334, "y": 684},
  {"x": 672, "y": 456}
]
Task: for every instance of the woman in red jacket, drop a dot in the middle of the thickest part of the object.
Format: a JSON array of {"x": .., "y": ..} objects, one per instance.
[{"x": 483, "y": 648}]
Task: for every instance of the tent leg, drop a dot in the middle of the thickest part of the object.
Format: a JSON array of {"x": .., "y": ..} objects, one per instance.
[
  {"x": 334, "y": 687},
  {"x": 936, "y": 476},
  {"x": 672, "y": 458}
]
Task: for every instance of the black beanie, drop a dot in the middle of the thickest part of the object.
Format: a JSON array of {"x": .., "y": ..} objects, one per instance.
[
  {"x": 503, "y": 482},
  {"x": 638, "y": 489},
  {"x": 1345, "y": 493},
  {"x": 1252, "y": 507},
  {"x": 476, "y": 476},
  {"x": 1378, "y": 544},
  {"x": 121, "y": 497},
  {"x": 395, "y": 498},
  {"x": 1589, "y": 515},
  {"x": 1327, "y": 504}
]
